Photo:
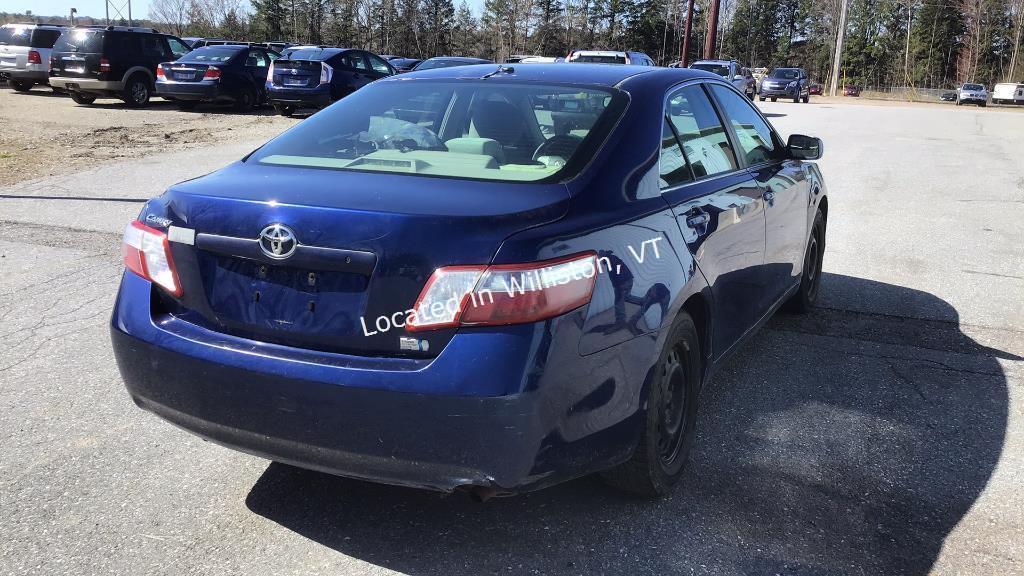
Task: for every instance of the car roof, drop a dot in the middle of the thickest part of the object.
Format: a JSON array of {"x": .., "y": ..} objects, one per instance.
[
  {"x": 587, "y": 74},
  {"x": 714, "y": 60},
  {"x": 458, "y": 58}
]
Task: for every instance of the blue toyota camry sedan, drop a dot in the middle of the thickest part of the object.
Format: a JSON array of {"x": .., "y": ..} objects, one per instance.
[{"x": 484, "y": 278}]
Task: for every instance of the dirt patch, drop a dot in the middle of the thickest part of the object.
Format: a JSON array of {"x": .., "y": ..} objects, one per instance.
[{"x": 45, "y": 134}]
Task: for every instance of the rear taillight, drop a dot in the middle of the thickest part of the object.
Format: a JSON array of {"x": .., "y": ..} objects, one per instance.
[
  {"x": 104, "y": 65},
  {"x": 33, "y": 57},
  {"x": 160, "y": 74},
  {"x": 270, "y": 73},
  {"x": 147, "y": 253},
  {"x": 53, "y": 62},
  {"x": 326, "y": 72},
  {"x": 212, "y": 73},
  {"x": 504, "y": 294}
]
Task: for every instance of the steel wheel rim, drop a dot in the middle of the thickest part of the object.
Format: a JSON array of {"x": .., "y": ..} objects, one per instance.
[
  {"x": 672, "y": 418},
  {"x": 139, "y": 92}
]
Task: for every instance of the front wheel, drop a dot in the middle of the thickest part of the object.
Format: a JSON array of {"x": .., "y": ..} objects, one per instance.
[
  {"x": 810, "y": 280},
  {"x": 21, "y": 85},
  {"x": 762, "y": 98},
  {"x": 82, "y": 99},
  {"x": 284, "y": 110},
  {"x": 670, "y": 417},
  {"x": 807, "y": 99},
  {"x": 774, "y": 99}
]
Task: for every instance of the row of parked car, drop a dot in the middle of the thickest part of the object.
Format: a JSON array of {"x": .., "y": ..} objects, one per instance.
[{"x": 134, "y": 64}]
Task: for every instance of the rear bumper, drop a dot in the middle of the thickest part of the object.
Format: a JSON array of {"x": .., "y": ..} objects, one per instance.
[
  {"x": 85, "y": 84},
  {"x": 317, "y": 98},
  {"x": 191, "y": 91},
  {"x": 561, "y": 417},
  {"x": 37, "y": 76}
]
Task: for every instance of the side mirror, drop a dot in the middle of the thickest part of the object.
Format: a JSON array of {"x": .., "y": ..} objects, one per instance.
[{"x": 805, "y": 147}]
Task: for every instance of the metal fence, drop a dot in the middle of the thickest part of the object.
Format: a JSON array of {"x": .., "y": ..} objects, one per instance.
[{"x": 904, "y": 93}]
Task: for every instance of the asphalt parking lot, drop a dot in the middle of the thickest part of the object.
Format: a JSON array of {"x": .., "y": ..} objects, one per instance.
[{"x": 881, "y": 434}]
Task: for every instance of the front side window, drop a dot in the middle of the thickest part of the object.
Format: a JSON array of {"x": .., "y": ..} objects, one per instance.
[
  {"x": 704, "y": 139},
  {"x": 257, "y": 59},
  {"x": 752, "y": 132},
  {"x": 481, "y": 129},
  {"x": 379, "y": 66},
  {"x": 178, "y": 48},
  {"x": 355, "y": 60}
]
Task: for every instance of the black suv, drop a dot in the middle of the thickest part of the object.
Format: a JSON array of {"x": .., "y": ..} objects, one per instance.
[{"x": 93, "y": 62}]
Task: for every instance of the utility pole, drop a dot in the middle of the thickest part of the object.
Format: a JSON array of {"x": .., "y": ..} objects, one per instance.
[
  {"x": 839, "y": 50},
  {"x": 709, "y": 43},
  {"x": 685, "y": 56},
  {"x": 73, "y": 12}
]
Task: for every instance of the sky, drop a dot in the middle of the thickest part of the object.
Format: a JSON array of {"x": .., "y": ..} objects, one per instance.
[{"x": 95, "y": 8}]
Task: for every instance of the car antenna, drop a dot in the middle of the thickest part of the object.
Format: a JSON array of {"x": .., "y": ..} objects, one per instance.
[{"x": 501, "y": 68}]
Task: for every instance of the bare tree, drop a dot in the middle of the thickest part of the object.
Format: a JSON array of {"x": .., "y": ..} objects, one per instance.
[{"x": 172, "y": 13}]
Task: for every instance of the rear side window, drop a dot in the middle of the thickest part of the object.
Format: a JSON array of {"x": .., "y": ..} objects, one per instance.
[
  {"x": 672, "y": 165},
  {"x": 87, "y": 41},
  {"x": 257, "y": 59},
  {"x": 16, "y": 35},
  {"x": 700, "y": 131},
  {"x": 178, "y": 48},
  {"x": 354, "y": 60},
  {"x": 153, "y": 47},
  {"x": 752, "y": 132},
  {"x": 44, "y": 37},
  {"x": 476, "y": 129},
  {"x": 379, "y": 65}
]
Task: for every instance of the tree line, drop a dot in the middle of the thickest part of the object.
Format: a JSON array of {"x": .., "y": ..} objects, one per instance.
[{"x": 923, "y": 43}]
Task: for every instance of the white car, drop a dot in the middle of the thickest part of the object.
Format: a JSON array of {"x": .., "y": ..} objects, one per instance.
[
  {"x": 1008, "y": 93},
  {"x": 25, "y": 53},
  {"x": 972, "y": 94}
]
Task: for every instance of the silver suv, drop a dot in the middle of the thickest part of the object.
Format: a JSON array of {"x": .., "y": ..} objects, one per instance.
[
  {"x": 731, "y": 70},
  {"x": 25, "y": 53},
  {"x": 972, "y": 94}
]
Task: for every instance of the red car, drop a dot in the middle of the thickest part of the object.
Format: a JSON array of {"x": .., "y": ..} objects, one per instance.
[
  {"x": 851, "y": 91},
  {"x": 815, "y": 89}
]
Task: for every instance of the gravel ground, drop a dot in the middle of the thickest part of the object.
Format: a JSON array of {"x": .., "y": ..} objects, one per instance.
[
  {"x": 880, "y": 434},
  {"x": 46, "y": 134}
]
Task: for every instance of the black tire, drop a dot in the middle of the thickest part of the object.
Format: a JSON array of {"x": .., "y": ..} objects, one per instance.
[
  {"x": 983, "y": 104},
  {"x": 774, "y": 99},
  {"x": 22, "y": 85},
  {"x": 82, "y": 99},
  {"x": 137, "y": 91},
  {"x": 670, "y": 417},
  {"x": 284, "y": 110},
  {"x": 807, "y": 99},
  {"x": 751, "y": 96},
  {"x": 246, "y": 100},
  {"x": 810, "y": 279},
  {"x": 187, "y": 104},
  {"x": 762, "y": 98}
]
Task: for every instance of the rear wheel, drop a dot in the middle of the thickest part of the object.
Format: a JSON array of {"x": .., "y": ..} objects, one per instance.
[
  {"x": 810, "y": 280},
  {"x": 136, "y": 91},
  {"x": 245, "y": 100},
  {"x": 80, "y": 98},
  {"x": 21, "y": 85},
  {"x": 774, "y": 99},
  {"x": 762, "y": 98},
  {"x": 187, "y": 104},
  {"x": 751, "y": 96},
  {"x": 284, "y": 110},
  {"x": 670, "y": 417}
]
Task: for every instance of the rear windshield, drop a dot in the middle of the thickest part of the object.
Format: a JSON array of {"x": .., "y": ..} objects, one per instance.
[
  {"x": 720, "y": 69},
  {"x": 481, "y": 129},
  {"x": 28, "y": 36},
  {"x": 786, "y": 73},
  {"x": 80, "y": 41},
  {"x": 211, "y": 54},
  {"x": 594, "y": 59},
  {"x": 311, "y": 54},
  {"x": 973, "y": 87}
]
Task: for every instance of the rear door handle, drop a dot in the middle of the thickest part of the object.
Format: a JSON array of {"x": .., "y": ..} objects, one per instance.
[
  {"x": 696, "y": 218},
  {"x": 768, "y": 195}
]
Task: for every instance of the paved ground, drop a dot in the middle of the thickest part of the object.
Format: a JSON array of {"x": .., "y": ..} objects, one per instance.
[{"x": 882, "y": 434}]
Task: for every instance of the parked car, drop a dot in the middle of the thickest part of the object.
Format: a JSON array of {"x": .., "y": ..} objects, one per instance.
[
  {"x": 815, "y": 88},
  {"x": 851, "y": 90},
  {"x": 786, "y": 83},
  {"x": 448, "y": 62},
  {"x": 93, "y": 62},
  {"x": 1008, "y": 93},
  {"x": 191, "y": 41},
  {"x": 541, "y": 60},
  {"x": 732, "y": 71},
  {"x": 448, "y": 282},
  {"x": 315, "y": 77},
  {"x": 25, "y": 53},
  {"x": 609, "y": 57},
  {"x": 972, "y": 94},
  {"x": 225, "y": 74},
  {"x": 276, "y": 45},
  {"x": 404, "y": 64}
]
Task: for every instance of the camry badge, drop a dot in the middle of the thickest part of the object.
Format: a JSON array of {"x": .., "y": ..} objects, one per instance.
[{"x": 278, "y": 241}]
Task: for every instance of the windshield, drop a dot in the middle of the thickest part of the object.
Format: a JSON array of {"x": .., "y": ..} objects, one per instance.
[
  {"x": 210, "y": 55},
  {"x": 977, "y": 87},
  {"x": 595, "y": 59},
  {"x": 311, "y": 54},
  {"x": 467, "y": 129},
  {"x": 431, "y": 64},
  {"x": 80, "y": 41},
  {"x": 786, "y": 73},
  {"x": 720, "y": 69}
]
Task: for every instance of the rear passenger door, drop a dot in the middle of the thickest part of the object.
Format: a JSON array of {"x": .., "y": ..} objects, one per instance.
[
  {"x": 718, "y": 207},
  {"x": 357, "y": 70},
  {"x": 785, "y": 189},
  {"x": 257, "y": 63}
]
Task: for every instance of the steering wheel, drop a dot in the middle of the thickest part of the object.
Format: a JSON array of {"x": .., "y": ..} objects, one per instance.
[{"x": 561, "y": 145}]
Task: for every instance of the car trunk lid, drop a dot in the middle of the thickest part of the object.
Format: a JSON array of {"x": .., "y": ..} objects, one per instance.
[
  {"x": 297, "y": 73},
  {"x": 366, "y": 245}
]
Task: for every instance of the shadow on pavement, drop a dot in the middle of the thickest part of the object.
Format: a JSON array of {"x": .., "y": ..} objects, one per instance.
[{"x": 841, "y": 442}]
